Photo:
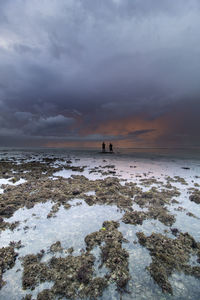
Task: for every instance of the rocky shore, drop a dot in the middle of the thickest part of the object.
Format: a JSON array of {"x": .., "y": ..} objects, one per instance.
[{"x": 73, "y": 276}]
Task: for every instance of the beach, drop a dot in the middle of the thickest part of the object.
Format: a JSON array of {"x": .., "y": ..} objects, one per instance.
[{"x": 79, "y": 224}]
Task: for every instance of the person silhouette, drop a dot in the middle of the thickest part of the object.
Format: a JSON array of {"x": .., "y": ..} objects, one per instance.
[
  {"x": 111, "y": 147},
  {"x": 103, "y": 147}
]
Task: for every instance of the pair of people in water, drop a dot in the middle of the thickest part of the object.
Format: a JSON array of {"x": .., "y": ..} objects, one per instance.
[{"x": 104, "y": 147}]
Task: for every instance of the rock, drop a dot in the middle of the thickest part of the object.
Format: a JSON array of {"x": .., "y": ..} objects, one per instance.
[
  {"x": 16, "y": 245},
  {"x": 67, "y": 206},
  {"x": 55, "y": 208},
  {"x": 113, "y": 255},
  {"x": 76, "y": 192},
  {"x": 27, "y": 297},
  {"x": 73, "y": 276},
  {"x": 174, "y": 231},
  {"x": 70, "y": 250},
  {"x": 56, "y": 247},
  {"x": 191, "y": 215},
  {"x": 134, "y": 217},
  {"x": 170, "y": 255},
  {"x": 7, "y": 261},
  {"x": 195, "y": 197}
]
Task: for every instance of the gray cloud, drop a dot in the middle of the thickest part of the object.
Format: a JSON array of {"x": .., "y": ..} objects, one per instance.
[
  {"x": 53, "y": 126},
  {"x": 96, "y": 61}
]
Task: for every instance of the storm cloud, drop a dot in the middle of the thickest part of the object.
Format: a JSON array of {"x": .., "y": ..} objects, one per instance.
[{"x": 89, "y": 70}]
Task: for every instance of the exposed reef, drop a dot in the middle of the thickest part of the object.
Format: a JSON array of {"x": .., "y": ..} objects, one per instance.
[
  {"x": 195, "y": 197},
  {"x": 7, "y": 260},
  {"x": 156, "y": 201},
  {"x": 74, "y": 276},
  {"x": 104, "y": 261},
  {"x": 113, "y": 255},
  {"x": 170, "y": 255},
  {"x": 60, "y": 191},
  {"x": 40, "y": 188}
]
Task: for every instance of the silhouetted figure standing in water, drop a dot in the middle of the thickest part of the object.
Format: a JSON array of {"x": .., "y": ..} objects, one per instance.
[
  {"x": 103, "y": 147},
  {"x": 111, "y": 147}
]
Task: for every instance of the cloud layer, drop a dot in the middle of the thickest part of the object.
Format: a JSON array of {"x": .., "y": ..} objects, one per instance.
[{"x": 76, "y": 70}]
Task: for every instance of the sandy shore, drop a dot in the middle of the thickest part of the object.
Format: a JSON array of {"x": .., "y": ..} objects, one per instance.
[{"x": 99, "y": 227}]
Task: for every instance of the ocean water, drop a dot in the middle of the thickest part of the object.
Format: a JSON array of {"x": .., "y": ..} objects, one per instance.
[{"x": 36, "y": 232}]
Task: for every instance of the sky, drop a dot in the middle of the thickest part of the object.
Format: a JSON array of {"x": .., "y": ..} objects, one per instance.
[{"x": 77, "y": 72}]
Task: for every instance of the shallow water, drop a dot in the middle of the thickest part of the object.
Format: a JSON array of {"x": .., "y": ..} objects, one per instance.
[
  {"x": 9, "y": 182},
  {"x": 70, "y": 227}
]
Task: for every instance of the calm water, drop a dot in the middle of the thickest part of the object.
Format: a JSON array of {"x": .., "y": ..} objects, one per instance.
[{"x": 155, "y": 153}]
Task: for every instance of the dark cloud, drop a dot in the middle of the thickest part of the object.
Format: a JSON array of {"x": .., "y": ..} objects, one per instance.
[
  {"x": 66, "y": 67},
  {"x": 51, "y": 126},
  {"x": 24, "y": 49}
]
